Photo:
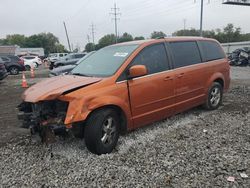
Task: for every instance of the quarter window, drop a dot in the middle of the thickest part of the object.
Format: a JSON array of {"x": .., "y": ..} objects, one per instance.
[
  {"x": 211, "y": 51},
  {"x": 185, "y": 53},
  {"x": 154, "y": 58}
]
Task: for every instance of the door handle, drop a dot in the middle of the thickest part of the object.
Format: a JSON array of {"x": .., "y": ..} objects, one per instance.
[
  {"x": 168, "y": 78},
  {"x": 180, "y": 75}
]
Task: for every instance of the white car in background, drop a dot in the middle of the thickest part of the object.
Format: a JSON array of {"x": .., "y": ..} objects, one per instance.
[
  {"x": 31, "y": 62},
  {"x": 56, "y": 56}
]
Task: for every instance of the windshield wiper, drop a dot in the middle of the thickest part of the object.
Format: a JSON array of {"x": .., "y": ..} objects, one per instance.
[{"x": 80, "y": 74}]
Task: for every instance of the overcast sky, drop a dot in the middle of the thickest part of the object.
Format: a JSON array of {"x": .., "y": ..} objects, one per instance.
[{"x": 138, "y": 17}]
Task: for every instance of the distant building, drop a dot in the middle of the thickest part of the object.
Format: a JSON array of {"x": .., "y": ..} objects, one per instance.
[
  {"x": 230, "y": 47},
  {"x": 8, "y": 50},
  {"x": 30, "y": 51},
  {"x": 16, "y": 50}
]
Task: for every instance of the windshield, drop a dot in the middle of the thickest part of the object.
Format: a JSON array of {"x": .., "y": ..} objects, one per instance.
[
  {"x": 85, "y": 57},
  {"x": 105, "y": 62}
]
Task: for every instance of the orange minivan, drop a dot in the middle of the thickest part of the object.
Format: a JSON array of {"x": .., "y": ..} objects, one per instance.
[{"x": 126, "y": 86}]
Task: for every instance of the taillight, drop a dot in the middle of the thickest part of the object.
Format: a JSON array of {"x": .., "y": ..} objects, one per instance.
[
  {"x": 2, "y": 66},
  {"x": 21, "y": 61}
]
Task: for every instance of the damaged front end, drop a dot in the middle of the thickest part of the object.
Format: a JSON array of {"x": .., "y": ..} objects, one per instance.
[{"x": 45, "y": 118}]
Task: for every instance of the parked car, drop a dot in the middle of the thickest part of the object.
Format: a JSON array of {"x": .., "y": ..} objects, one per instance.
[
  {"x": 13, "y": 64},
  {"x": 31, "y": 61},
  {"x": 67, "y": 68},
  {"x": 70, "y": 59},
  {"x": 3, "y": 71},
  {"x": 126, "y": 86},
  {"x": 53, "y": 57}
]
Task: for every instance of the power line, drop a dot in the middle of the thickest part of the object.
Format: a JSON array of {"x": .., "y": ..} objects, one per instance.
[{"x": 115, "y": 12}]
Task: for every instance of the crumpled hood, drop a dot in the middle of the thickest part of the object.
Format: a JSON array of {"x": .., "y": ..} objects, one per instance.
[{"x": 51, "y": 88}]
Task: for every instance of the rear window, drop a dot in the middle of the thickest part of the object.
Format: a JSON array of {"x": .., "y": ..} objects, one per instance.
[
  {"x": 185, "y": 53},
  {"x": 28, "y": 57},
  {"x": 211, "y": 51}
]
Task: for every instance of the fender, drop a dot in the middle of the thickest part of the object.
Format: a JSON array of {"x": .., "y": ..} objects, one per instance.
[{"x": 79, "y": 109}]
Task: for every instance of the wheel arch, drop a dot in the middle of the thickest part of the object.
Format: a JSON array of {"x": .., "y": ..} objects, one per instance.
[
  {"x": 220, "y": 81},
  {"x": 120, "y": 112},
  {"x": 217, "y": 77}
]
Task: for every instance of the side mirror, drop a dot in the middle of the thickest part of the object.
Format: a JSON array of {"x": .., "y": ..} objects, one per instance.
[{"x": 137, "y": 70}]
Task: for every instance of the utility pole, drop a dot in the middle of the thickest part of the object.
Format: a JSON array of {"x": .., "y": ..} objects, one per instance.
[
  {"x": 115, "y": 13},
  {"x": 92, "y": 27},
  {"x": 201, "y": 18},
  {"x": 67, "y": 35},
  {"x": 88, "y": 38},
  {"x": 184, "y": 24}
]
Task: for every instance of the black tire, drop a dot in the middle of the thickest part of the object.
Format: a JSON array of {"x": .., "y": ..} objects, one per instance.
[
  {"x": 78, "y": 130},
  {"x": 37, "y": 65},
  {"x": 102, "y": 131},
  {"x": 214, "y": 97},
  {"x": 14, "y": 70},
  {"x": 27, "y": 67}
]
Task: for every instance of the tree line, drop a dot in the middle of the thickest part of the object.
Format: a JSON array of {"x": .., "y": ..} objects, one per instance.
[
  {"x": 230, "y": 33},
  {"x": 51, "y": 44},
  {"x": 48, "y": 41}
]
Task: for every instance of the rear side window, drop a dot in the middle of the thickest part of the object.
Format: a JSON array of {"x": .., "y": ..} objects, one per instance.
[
  {"x": 153, "y": 57},
  {"x": 211, "y": 51},
  {"x": 185, "y": 53}
]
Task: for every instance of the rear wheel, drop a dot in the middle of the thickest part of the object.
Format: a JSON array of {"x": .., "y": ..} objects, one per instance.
[
  {"x": 27, "y": 67},
  {"x": 214, "y": 98},
  {"x": 102, "y": 131},
  {"x": 14, "y": 70}
]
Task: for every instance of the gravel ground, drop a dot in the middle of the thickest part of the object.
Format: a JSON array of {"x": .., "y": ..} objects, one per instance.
[{"x": 197, "y": 148}]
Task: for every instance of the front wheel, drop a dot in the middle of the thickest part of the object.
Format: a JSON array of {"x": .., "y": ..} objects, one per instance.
[
  {"x": 214, "y": 98},
  {"x": 14, "y": 70},
  {"x": 102, "y": 131}
]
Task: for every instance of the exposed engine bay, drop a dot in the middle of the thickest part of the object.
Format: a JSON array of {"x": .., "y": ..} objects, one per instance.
[{"x": 45, "y": 118}]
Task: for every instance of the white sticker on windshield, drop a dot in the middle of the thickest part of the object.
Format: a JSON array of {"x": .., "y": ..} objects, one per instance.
[{"x": 120, "y": 54}]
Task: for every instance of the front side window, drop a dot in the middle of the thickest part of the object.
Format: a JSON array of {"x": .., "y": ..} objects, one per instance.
[
  {"x": 105, "y": 62},
  {"x": 185, "y": 53},
  {"x": 211, "y": 50},
  {"x": 154, "y": 58}
]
